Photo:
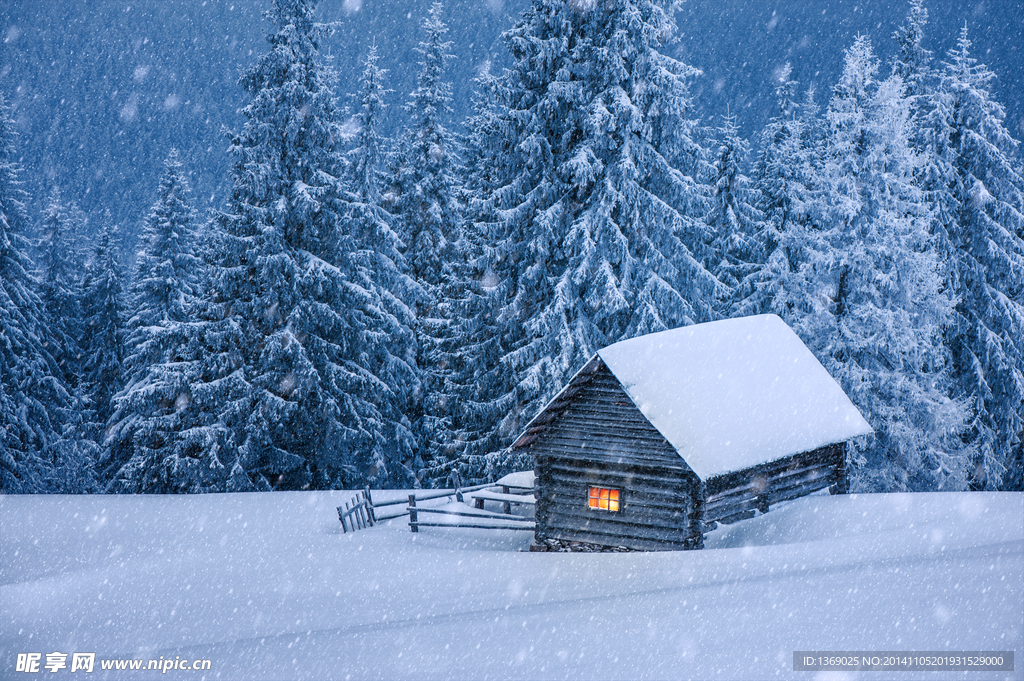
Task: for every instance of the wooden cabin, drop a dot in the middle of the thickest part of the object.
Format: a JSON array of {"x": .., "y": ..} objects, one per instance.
[{"x": 658, "y": 438}]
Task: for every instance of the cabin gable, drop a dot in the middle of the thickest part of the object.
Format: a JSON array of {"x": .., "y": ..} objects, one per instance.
[{"x": 592, "y": 441}]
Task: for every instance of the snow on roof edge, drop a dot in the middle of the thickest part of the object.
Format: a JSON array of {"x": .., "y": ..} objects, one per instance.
[{"x": 734, "y": 393}]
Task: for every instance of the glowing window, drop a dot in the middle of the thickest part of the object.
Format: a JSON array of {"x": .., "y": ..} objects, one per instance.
[{"x": 604, "y": 499}]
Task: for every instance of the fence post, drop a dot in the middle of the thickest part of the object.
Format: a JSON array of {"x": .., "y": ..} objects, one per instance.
[
  {"x": 412, "y": 514},
  {"x": 507, "y": 508},
  {"x": 369, "y": 505},
  {"x": 341, "y": 517}
]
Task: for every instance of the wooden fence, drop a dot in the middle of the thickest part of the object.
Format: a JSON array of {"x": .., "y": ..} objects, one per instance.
[
  {"x": 508, "y": 522},
  {"x": 361, "y": 512},
  {"x": 358, "y": 513}
]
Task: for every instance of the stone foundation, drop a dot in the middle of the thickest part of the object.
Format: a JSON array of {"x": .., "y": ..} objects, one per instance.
[{"x": 566, "y": 546}]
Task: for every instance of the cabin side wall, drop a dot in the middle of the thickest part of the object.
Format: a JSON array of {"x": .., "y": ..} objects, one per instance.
[
  {"x": 736, "y": 496},
  {"x": 602, "y": 440}
]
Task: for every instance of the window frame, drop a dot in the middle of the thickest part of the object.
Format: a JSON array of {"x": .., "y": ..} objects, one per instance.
[{"x": 598, "y": 488}]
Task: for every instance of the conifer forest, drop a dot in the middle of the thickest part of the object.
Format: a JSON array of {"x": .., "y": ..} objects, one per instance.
[{"x": 406, "y": 258}]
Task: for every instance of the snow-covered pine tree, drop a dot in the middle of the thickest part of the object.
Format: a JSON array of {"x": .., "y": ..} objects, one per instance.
[
  {"x": 103, "y": 330},
  {"x": 168, "y": 271},
  {"x": 312, "y": 324},
  {"x": 471, "y": 351},
  {"x": 597, "y": 233},
  {"x": 784, "y": 184},
  {"x": 32, "y": 392},
  {"x": 866, "y": 293},
  {"x": 424, "y": 191},
  {"x": 912, "y": 62},
  {"x": 734, "y": 219},
  {"x": 978, "y": 195},
  {"x": 61, "y": 286},
  {"x": 380, "y": 255},
  {"x": 425, "y": 198},
  {"x": 166, "y": 435}
]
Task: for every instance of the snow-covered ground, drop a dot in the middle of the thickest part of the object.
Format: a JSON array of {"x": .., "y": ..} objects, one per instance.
[{"x": 266, "y": 586}]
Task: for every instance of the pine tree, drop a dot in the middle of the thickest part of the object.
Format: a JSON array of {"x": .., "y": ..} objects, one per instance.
[
  {"x": 912, "y": 62},
  {"x": 60, "y": 286},
  {"x": 865, "y": 291},
  {"x": 425, "y": 186},
  {"x": 734, "y": 220},
  {"x": 785, "y": 189},
  {"x": 425, "y": 196},
  {"x": 103, "y": 330},
  {"x": 166, "y": 434},
  {"x": 168, "y": 271},
  {"x": 470, "y": 351},
  {"x": 597, "y": 233},
  {"x": 32, "y": 392},
  {"x": 312, "y": 327},
  {"x": 978, "y": 194},
  {"x": 380, "y": 255}
]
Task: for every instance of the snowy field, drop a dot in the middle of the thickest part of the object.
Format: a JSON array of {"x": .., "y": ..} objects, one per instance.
[{"x": 266, "y": 586}]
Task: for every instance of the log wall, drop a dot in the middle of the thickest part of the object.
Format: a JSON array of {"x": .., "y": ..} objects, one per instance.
[
  {"x": 736, "y": 496},
  {"x": 599, "y": 438}
]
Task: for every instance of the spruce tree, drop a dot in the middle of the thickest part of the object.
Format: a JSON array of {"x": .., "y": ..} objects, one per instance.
[
  {"x": 103, "y": 330},
  {"x": 379, "y": 254},
  {"x": 166, "y": 434},
  {"x": 318, "y": 411},
  {"x": 425, "y": 198},
  {"x": 596, "y": 232},
  {"x": 60, "y": 286},
  {"x": 32, "y": 391},
  {"x": 424, "y": 192},
  {"x": 912, "y": 62},
  {"x": 865, "y": 291},
  {"x": 978, "y": 194},
  {"x": 471, "y": 351},
  {"x": 734, "y": 219}
]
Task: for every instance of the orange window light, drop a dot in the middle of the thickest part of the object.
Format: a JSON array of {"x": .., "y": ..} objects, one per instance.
[{"x": 604, "y": 499}]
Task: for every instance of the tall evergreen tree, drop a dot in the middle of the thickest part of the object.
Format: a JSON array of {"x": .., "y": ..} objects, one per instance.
[
  {"x": 312, "y": 330},
  {"x": 60, "y": 286},
  {"x": 380, "y": 255},
  {"x": 470, "y": 352},
  {"x": 166, "y": 434},
  {"x": 424, "y": 193},
  {"x": 425, "y": 196},
  {"x": 865, "y": 291},
  {"x": 978, "y": 195},
  {"x": 32, "y": 392},
  {"x": 784, "y": 185},
  {"x": 912, "y": 62},
  {"x": 168, "y": 270},
  {"x": 734, "y": 219},
  {"x": 597, "y": 233},
  {"x": 103, "y": 329}
]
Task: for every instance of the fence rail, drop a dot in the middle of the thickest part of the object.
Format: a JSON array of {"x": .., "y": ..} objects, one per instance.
[
  {"x": 361, "y": 512},
  {"x": 510, "y": 522}
]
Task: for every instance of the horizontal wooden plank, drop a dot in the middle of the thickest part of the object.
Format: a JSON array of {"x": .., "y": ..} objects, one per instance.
[
  {"x": 581, "y": 516},
  {"x": 569, "y": 490},
  {"x": 475, "y": 513},
  {"x": 644, "y": 476},
  {"x": 473, "y": 526},
  {"x": 735, "y": 518},
  {"x": 637, "y": 543},
  {"x": 628, "y": 523},
  {"x": 787, "y": 478},
  {"x": 589, "y": 429},
  {"x": 829, "y": 453}
]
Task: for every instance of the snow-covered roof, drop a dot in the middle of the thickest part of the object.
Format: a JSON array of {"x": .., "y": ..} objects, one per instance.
[{"x": 735, "y": 393}]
